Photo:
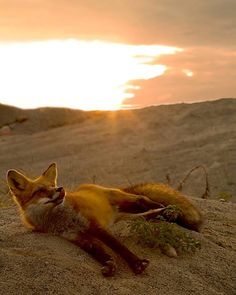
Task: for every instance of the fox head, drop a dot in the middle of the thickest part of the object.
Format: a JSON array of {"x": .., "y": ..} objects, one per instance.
[{"x": 40, "y": 191}]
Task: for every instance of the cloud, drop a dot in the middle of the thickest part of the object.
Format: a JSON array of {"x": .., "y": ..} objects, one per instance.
[
  {"x": 214, "y": 74},
  {"x": 171, "y": 22}
]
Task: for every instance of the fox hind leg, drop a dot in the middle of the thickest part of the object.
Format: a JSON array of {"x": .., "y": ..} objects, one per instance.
[
  {"x": 131, "y": 203},
  {"x": 150, "y": 214}
]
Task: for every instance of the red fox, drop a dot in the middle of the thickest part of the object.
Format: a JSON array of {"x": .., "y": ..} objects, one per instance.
[
  {"x": 81, "y": 217},
  {"x": 84, "y": 215}
]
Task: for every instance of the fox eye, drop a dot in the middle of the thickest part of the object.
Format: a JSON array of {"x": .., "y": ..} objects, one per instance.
[{"x": 41, "y": 190}]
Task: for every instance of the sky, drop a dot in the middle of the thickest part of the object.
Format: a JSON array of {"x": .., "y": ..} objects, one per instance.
[{"x": 201, "y": 33}]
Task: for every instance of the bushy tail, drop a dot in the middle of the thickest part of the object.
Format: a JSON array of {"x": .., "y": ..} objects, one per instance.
[{"x": 190, "y": 216}]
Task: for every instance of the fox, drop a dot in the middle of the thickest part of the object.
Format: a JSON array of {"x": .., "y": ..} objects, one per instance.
[{"x": 84, "y": 216}]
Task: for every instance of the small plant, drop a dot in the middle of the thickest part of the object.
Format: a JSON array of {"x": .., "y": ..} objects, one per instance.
[
  {"x": 162, "y": 234},
  {"x": 225, "y": 196},
  {"x": 206, "y": 193},
  {"x": 171, "y": 213}
]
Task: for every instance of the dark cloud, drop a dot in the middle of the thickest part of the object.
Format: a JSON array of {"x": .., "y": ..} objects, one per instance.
[{"x": 182, "y": 22}]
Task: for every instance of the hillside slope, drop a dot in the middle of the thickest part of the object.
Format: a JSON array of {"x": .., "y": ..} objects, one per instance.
[{"x": 131, "y": 146}]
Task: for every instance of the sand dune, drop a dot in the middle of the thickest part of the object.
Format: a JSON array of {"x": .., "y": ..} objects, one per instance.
[
  {"x": 139, "y": 145},
  {"x": 113, "y": 149}
]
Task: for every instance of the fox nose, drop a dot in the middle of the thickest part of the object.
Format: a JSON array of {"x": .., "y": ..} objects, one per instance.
[
  {"x": 61, "y": 192},
  {"x": 59, "y": 189}
]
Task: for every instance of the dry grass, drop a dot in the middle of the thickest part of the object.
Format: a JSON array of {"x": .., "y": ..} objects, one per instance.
[{"x": 162, "y": 232}]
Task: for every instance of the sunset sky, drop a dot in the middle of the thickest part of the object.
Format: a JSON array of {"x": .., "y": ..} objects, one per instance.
[{"x": 103, "y": 54}]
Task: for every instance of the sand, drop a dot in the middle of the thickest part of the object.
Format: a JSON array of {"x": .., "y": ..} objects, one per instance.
[{"x": 115, "y": 149}]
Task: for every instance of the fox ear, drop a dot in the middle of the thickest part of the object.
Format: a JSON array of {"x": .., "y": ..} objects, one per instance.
[
  {"x": 17, "y": 182},
  {"x": 51, "y": 174}
]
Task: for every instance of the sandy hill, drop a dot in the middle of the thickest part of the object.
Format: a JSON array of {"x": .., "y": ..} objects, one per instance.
[
  {"x": 127, "y": 146},
  {"x": 36, "y": 120},
  {"x": 113, "y": 149}
]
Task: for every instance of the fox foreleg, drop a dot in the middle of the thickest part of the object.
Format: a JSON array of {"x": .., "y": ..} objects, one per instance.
[
  {"x": 135, "y": 263},
  {"x": 97, "y": 250}
]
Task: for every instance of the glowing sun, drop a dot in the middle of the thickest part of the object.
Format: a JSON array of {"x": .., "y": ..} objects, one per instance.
[{"x": 76, "y": 74}]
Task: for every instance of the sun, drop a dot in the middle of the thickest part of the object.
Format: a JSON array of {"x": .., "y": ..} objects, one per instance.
[{"x": 88, "y": 75}]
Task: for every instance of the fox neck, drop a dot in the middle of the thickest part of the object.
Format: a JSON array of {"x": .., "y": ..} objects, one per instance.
[{"x": 58, "y": 220}]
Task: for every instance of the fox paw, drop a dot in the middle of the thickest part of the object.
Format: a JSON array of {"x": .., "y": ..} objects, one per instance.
[
  {"x": 140, "y": 265},
  {"x": 169, "y": 251},
  {"x": 109, "y": 269}
]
